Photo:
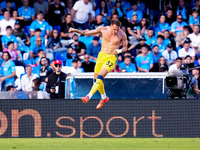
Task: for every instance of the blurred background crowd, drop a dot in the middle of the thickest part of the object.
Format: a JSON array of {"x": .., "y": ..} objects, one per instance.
[{"x": 162, "y": 35}]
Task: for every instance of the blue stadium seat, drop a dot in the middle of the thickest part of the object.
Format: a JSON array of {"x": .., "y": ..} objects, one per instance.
[
  {"x": 61, "y": 56},
  {"x": 27, "y": 30},
  {"x": 91, "y": 60},
  {"x": 196, "y": 63},
  {"x": 19, "y": 70},
  {"x": 57, "y": 28},
  {"x": 27, "y": 62},
  {"x": 23, "y": 49},
  {"x": 21, "y": 75},
  {"x": 36, "y": 70},
  {"x": 69, "y": 62}
]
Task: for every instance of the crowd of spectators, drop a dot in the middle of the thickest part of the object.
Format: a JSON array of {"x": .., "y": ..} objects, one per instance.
[{"x": 35, "y": 33}]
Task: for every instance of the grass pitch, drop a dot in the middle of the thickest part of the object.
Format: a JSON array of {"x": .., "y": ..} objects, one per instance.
[{"x": 100, "y": 144}]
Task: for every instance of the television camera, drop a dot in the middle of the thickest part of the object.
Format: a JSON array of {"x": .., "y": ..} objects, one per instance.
[{"x": 178, "y": 82}]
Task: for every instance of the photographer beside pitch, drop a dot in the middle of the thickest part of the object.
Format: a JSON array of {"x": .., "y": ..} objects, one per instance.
[
  {"x": 56, "y": 82},
  {"x": 111, "y": 38}
]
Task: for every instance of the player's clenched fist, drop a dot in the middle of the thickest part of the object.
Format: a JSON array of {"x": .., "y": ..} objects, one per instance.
[{"x": 72, "y": 29}]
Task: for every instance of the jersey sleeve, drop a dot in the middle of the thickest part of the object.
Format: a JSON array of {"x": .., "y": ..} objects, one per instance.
[
  {"x": 137, "y": 60},
  {"x": 31, "y": 48},
  {"x": 32, "y": 12},
  {"x": 138, "y": 27},
  {"x": 157, "y": 29},
  {"x": 192, "y": 53},
  {"x": 44, "y": 48},
  {"x": 19, "y": 11},
  {"x": 76, "y": 6},
  {"x": 185, "y": 24},
  {"x": 128, "y": 15},
  {"x": 140, "y": 15},
  {"x": 169, "y": 27},
  {"x": 13, "y": 66},
  {"x": 32, "y": 26},
  {"x": 134, "y": 68},
  {"x": 15, "y": 39},
  {"x": 150, "y": 60},
  {"x": 47, "y": 26},
  {"x": 91, "y": 11},
  {"x": 180, "y": 53},
  {"x": 1, "y": 23},
  {"x": 173, "y": 27},
  {"x": 89, "y": 49}
]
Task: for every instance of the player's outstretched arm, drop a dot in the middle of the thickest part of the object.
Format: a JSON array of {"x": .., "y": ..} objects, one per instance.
[
  {"x": 124, "y": 44},
  {"x": 86, "y": 32}
]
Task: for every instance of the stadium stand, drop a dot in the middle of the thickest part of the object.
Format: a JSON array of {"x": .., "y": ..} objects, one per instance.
[{"x": 170, "y": 23}]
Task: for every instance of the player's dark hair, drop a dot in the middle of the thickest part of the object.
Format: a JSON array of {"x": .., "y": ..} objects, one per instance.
[
  {"x": 6, "y": 11},
  {"x": 151, "y": 28},
  {"x": 8, "y": 27},
  {"x": 178, "y": 58},
  {"x": 166, "y": 31},
  {"x": 160, "y": 36},
  {"x": 79, "y": 60},
  {"x": 8, "y": 88},
  {"x": 195, "y": 25},
  {"x": 116, "y": 22},
  {"x": 162, "y": 15},
  {"x": 127, "y": 57},
  {"x": 100, "y": 15},
  {"x": 133, "y": 3},
  {"x": 179, "y": 15},
  {"x": 169, "y": 9},
  {"x": 127, "y": 52},
  {"x": 118, "y": 1},
  {"x": 40, "y": 12},
  {"x": 188, "y": 56},
  {"x": 65, "y": 16},
  {"x": 194, "y": 11},
  {"x": 155, "y": 46},
  {"x": 74, "y": 61},
  {"x": 36, "y": 81},
  {"x": 38, "y": 30},
  {"x": 8, "y": 1},
  {"x": 28, "y": 66},
  {"x": 185, "y": 27},
  {"x": 114, "y": 14},
  {"x": 40, "y": 50},
  {"x": 46, "y": 59},
  {"x": 105, "y": 9},
  {"x": 144, "y": 46},
  {"x": 9, "y": 57},
  {"x": 10, "y": 42}
]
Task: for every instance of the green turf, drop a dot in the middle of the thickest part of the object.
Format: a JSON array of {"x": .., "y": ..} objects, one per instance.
[{"x": 101, "y": 144}]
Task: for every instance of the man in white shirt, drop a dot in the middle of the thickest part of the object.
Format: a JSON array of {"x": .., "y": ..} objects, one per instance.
[
  {"x": 73, "y": 69},
  {"x": 170, "y": 55},
  {"x": 195, "y": 39},
  {"x": 6, "y": 22},
  {"x": 27, "y": 79},
  {"x": 186, "y": 50},
  {"x": 176, "y": 67},
  {"x": 81, "y": 13}
]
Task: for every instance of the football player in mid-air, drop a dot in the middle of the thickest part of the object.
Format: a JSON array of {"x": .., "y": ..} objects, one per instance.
[{"x": 111, "y": 37}]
